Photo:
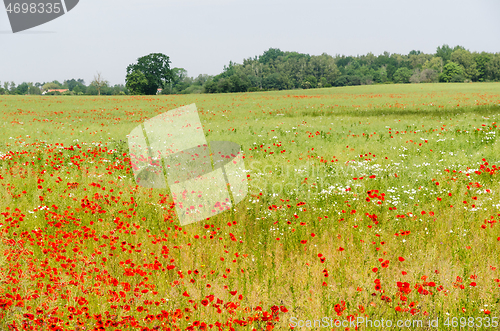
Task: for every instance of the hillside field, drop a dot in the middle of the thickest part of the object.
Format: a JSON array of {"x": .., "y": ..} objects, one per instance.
[{"x": 364, "y": 202}]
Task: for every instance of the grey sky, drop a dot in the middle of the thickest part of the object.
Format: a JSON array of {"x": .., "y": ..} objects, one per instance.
[{"x": 202, "y": 36}]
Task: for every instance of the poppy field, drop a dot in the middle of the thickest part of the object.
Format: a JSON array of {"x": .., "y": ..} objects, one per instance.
[{"x": 378, "y": 201}]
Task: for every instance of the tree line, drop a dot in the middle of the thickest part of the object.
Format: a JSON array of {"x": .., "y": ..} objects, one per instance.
[
  {"x": 72, "y": 86},
  {"x": 279, "y": 70}
]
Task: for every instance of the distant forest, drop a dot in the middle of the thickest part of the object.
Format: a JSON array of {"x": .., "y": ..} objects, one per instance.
[{"x": 279, "y": 70}]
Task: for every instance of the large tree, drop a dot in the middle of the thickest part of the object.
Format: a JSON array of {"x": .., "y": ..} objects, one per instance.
[
  {"x": 467, "y": 62},
  {"x": 177, "y": 80},
  {"x": 270, "y": 55},
  {"x": 492, "y": 67},
  {"x": 51, "y": 86},
  {"x": 444, "y": 52},
  {"x": 402, "y": 75},
  {"x": 22, "y": 89},
  {"x": 71, "y": 84},
  {"x": 136, "y": 82},
  {"x": 435, "y": 63},
  {"x": 451, "y": 72},
  {"x": 156, "y": 68}
]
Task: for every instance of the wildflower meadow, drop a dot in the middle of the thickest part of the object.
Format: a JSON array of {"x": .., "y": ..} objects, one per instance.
[{"x": 378, "y": 201}]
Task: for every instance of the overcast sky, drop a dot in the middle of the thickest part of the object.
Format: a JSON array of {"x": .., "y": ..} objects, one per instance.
[{"x": 202, "y": 36}]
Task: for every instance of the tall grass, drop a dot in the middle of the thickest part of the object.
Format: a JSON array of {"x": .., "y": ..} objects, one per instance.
[{"x": 353, "y": 193}]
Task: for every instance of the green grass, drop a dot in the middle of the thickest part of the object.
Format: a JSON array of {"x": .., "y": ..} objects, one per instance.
[{"x": 421, "y": 142}]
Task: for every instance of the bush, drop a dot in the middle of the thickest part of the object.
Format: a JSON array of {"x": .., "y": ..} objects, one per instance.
[
  {"x": 457, "y": 79},
  {"x": 428, "y": 76},
  {"x": 210, "y": 87},
  {"x": 306, "y": 85},
  {"x": 193, "y": 89},
  {"x": 354, "y": 80},
  {"x": 450, "y": 70},
  {"x": 341, "y": 81},
  {"x": 424, "y": 76},
  {"x": 402, "y": 75},
  {"x": 415, "y": 78}
]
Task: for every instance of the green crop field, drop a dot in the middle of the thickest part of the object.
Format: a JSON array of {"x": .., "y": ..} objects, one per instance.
[{"x": 366, "y": 202}]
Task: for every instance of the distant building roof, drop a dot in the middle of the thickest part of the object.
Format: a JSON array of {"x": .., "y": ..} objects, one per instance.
[{"x": 56, "y": 90}]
